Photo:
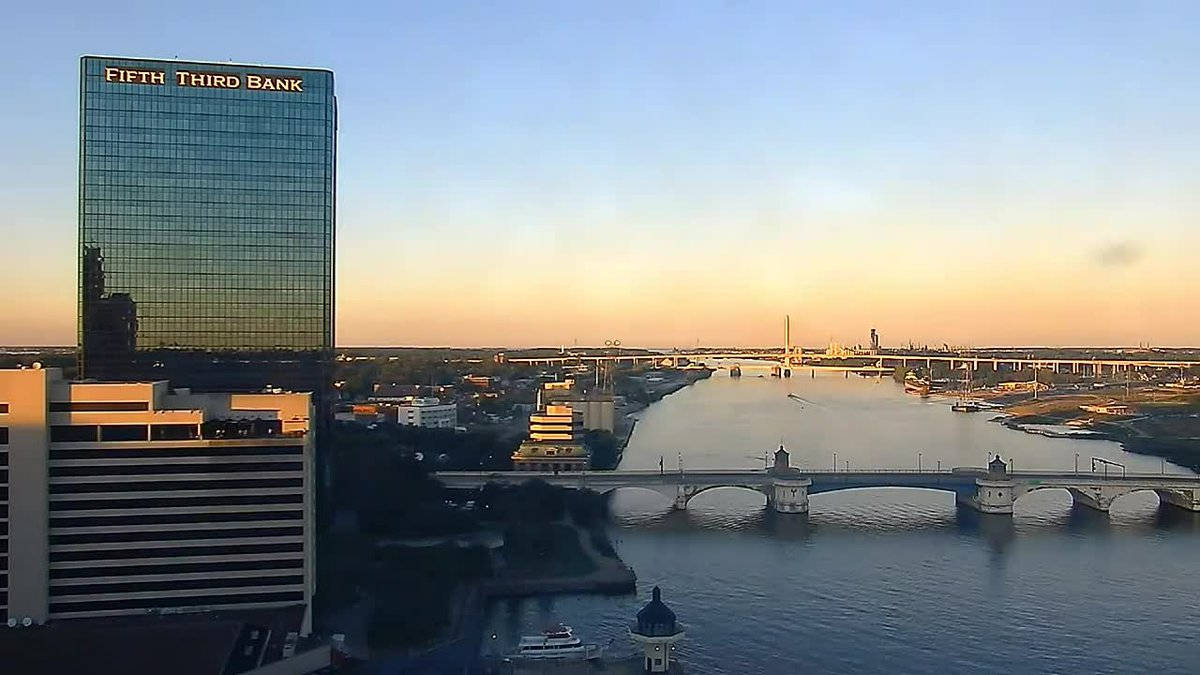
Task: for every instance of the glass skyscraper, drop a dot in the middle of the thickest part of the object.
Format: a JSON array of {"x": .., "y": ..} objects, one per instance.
[{"x": 206, "y": 223}]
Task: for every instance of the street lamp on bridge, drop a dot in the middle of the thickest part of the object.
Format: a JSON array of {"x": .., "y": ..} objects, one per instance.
[{"x": 1105, "y": 463}]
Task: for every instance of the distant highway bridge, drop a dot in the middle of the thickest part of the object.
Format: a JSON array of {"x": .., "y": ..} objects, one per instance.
[
  {"x": 991, "y": 490},
  {"x": 799, "y": 358}
]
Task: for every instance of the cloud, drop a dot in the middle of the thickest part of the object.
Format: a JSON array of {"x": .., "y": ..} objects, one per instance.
[{"x": 1119, "y": 254}]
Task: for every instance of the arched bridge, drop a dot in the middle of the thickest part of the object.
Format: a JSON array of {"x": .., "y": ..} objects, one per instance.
[{"x": 992, "y": 490}]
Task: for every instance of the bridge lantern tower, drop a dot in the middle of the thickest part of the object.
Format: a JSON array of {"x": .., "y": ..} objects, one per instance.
[
  {"x": 782, "y": 459},
  {"x": 788, "y": 491},
  {"x": 997, "y": 467},
  {"x": 657, "y": 631},
  {"x": 995, "y": 491}
]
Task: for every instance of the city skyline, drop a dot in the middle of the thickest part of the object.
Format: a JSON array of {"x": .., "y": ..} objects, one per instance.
[{"x": 680, "y": 174}]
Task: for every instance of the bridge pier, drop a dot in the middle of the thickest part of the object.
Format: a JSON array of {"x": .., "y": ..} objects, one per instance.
[
  {"x": 1184, "y": 499},
  {"x": 995, "y": 491},
  {"x": 789, "y": 495},
  {"x": 992, "y": 495},
  {"x": 1096, "y": 497},
  {"x": 683, "y": 494}
]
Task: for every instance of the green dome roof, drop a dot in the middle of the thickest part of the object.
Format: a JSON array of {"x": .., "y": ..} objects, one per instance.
[{"x": 656, "y": 619}]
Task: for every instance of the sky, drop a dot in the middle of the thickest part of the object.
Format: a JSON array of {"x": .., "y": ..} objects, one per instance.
[{"x": 683, "y": 173}]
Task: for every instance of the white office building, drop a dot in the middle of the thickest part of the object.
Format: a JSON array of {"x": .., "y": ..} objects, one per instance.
[{"x": 427, "y": 412}]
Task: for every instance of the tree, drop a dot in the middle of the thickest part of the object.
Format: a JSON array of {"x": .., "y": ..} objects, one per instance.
[{"x": 603, "y": 448}]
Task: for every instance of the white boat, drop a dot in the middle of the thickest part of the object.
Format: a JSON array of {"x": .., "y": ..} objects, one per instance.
[{"x": 556, "y": 642}]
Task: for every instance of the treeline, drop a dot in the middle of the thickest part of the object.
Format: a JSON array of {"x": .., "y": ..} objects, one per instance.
[
  {"x": 383, "y": 475},
  {"x": 413, "y": 590},
  {"x": 603, "y": 447},
  {"x": 415, "y": 366},
  {"x": 531, "y": 514},
  {"x": 67, "y": 362},
  {"x": 537, "y": 501}
]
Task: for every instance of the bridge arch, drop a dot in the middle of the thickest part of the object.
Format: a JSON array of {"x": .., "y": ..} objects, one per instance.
[
  {"x": 1097, "y": 497},
  {"x": 850, "y": 488},
  {"x": 1159, "y": 494},
  {"x": 692, "y": 493},
  {"x": 961, "y": 486},
  {"x": 1020, "y": 491},
  {"x": 665, "y": 491}
]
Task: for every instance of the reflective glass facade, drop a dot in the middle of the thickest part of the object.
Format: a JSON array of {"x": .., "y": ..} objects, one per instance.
[{"x": 206, "y": 223}]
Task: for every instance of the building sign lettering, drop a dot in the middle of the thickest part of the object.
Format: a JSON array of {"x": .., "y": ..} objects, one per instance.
[
  {"x": 191, "y": 78},
  {"x": 134, "y": 76}
]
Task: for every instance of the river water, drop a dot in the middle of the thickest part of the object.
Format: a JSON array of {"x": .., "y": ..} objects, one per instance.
[{"x": 884, "y": 580}]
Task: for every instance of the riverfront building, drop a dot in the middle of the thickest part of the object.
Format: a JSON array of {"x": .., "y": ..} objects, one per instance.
[
  {"x": 130, "y": 498},
  {"x": 555, "y": 442},
  {"x": 206, "y": 224}
]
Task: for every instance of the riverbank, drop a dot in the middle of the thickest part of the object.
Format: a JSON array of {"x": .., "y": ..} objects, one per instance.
[
  {"x": 425, "y": 597},
  {"x": 639, "y": 392},
  {"x": 580, "y": 560},
  {"x": 1153, "y": 421},
  {"x": 632, "y": 665}
]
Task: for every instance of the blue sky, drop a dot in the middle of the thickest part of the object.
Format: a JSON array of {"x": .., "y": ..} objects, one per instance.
[{"x": 687, "y": 171}]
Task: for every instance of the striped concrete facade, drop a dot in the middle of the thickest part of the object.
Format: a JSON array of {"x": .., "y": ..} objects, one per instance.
[{"x": 137, "y": 499}]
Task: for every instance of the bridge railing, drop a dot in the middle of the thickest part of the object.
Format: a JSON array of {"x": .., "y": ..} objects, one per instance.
[{"x": 760, "y": 473}]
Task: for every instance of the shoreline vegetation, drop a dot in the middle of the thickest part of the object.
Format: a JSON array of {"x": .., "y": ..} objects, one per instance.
[
  {"x": 1150, "y": 420},
  {"x": 1159, "y": 423},
  {"x": 534, "y": 539},
  {"x": 640, "y": 392},
  {"x": 410, "y": 566},
  {"x": 1158, "y": 416}
]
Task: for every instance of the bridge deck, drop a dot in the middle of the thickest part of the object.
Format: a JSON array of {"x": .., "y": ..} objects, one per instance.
[
  {"x": 880, "y": 476},
  {"x": 817, "y": 356}
]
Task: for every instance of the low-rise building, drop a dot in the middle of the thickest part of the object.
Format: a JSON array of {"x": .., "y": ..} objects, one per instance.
[
  {"x": 429, "y": 412},
  {"x": 131, "y": 498},
  {"x": 362, "y": 413},
  {"x": 1022, "y": 385},
  {"x": 1108, "y": 409},
  {"x": 597, "y": 408},
  {"x": 393, "y": 393},
  {"x": 483, "y": 382}
]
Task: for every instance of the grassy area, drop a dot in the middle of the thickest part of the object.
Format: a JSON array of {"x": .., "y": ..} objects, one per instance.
[
  {"x": 1164, "y": 423},
  {"x": 413, "y": 591},
  {"x": 1055, "y": 405},
  {"x": 1169, "y": 426},
  {"x": 343, "y": 561},
  {"x": 1144, "y": 401},
  {"x": 545, "y": 550}
]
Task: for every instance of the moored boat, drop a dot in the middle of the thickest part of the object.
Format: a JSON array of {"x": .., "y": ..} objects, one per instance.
[
  {"x": 556, "y": 642},
  {"x": 916, "y": 385},
  {"x": 965, "y": 403}
]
